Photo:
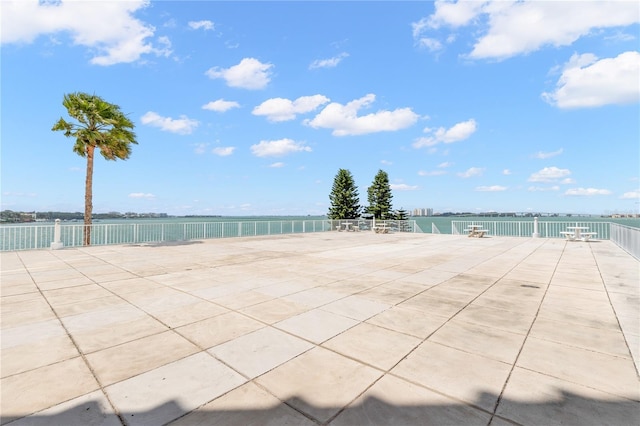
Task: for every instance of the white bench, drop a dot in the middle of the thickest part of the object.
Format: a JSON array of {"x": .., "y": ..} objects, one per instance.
[
  {"x": 569, "y": 235},
  {"x": 586, "y": 236},
  {"x": 381, "y": 229},
  {"x": 478, "y": 233}
]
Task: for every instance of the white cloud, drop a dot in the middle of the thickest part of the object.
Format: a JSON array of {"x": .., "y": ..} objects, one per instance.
[
  {"x": 518, "y": 27},
  {"x": 631, "y": 195},
  {"x": 344, "y": 119},
  {"x": 328, "y": 63},
  {"x": 472, "y": 171},
  {"x": 223, "y": 151},
  {"x": 280, "y": 109},
  {"x": 386, "y": 162},
  {"x": 142, "y": 195},
  {"x": 549, "y": 174},
  {"x": 432, "y": 44},
  {"x": 588, "y": 82},
  {"x": 425, "y": 141},
  {"x": 493, "y": 188},
  {"x": 403, "y": 187},
  {"x": 451, "y": 14},
  {"x": 457, "y": 132},
  {"x": 220, "y": 105},
  {"x": 432, "y": 173},
  {"x": 544, "y": 155},
  {"x": 587, "y": 191},
  {"x": 107, "y": 28},
  {"x": 542, "y": 189},
  {"x": 250, "y": 73},
  {"x": 183, "y": 125},
  {"x": 276, "y": 165},
  {"x": 278, "y": 148},
  {"x": 445, "y": 164},
  {"x": 506, "y": 172},
  {"x": 205, "y": 25}
]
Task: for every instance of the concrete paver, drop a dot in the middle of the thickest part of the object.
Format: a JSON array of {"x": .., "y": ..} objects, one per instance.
[
  {"x": 161, "y": 395},
  {"x": 393, "y": 401},
  {"x": 466, "y": 376},
  {"x": 373, "y": 345},
  {"x": 316, "y": 325},
  {"x": 260, "y": 351},
  {"x": 315, "y": 382},
  {"x": 325, "y": 328}
]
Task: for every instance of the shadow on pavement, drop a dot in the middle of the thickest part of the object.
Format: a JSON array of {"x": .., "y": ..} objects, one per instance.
[{"x": 568, "y": 409}]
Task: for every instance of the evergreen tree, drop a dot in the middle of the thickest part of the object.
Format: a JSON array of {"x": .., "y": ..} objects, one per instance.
[
  {"x": 379, "y": 197},
  {"x": 345, "y": 201},
  {"x": 402, "y": 217},
  {"x": 401, "y": 214}
]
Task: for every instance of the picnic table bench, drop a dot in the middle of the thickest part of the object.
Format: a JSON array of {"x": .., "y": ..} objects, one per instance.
[
  {"x": 382, "y": 228},
  {"x": 476, "y": 232},
  {"x": 574, "y": 233}
]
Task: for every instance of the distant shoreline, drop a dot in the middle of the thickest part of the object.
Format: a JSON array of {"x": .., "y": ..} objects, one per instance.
[{"x": 78, "y": 218}]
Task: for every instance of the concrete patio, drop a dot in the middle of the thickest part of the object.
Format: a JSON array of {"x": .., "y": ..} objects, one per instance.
[{"x": 338, "y": 328}]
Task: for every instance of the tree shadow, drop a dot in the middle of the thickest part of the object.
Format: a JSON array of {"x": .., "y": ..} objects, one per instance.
[{"x": 567, "y": 409}]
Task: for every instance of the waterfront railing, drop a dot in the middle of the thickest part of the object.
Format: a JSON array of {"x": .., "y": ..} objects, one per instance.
[
  {"x": 545, "y": 229},
  {"x": 627, "y": 238},
  {"x": 32, "y": 237},
  {"x": 44, "y": 236}
]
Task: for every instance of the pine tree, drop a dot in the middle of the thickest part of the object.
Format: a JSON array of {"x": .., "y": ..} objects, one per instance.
[
  {"x": 379, "y": 197},
  {"x": 402, "y": 217},
  {"x": 345, "y": 201}
]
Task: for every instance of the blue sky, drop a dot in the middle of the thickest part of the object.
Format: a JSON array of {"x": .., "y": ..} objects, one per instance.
[{"x": 251, "y": 108}]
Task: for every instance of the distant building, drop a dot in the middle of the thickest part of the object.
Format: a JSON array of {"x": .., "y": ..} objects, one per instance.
[{"x": 422, "y": 212}]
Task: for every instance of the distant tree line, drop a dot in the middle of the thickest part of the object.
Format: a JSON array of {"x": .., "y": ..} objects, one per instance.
[
  {"x": 12, "y": 216},
  {"x": 345, "y": 200}
]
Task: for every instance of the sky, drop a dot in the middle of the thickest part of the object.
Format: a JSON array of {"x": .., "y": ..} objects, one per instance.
[{"x": 251, "y": 108}]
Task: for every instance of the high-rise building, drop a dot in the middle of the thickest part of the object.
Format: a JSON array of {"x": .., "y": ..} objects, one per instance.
[{"x": 423, "y": 212}]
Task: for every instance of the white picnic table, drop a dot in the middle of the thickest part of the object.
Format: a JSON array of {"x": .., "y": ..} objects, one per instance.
[
  {"x": 475, "y": 231},
  {"x": 381, "y": 228},
  {"x": 574, "y": 233}
]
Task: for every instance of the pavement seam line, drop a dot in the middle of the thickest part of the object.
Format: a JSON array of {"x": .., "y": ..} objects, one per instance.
[
  {"x": 425, "y": 339},
  {"x": 606, "y": 289},
  {"x": 75, "y": 344},
  {"x": 515, "y": 361}
]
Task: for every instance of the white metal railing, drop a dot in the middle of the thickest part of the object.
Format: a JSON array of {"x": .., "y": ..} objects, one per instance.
[
  {"x": 31, "y": 237},
  {"x": 368, "y": 224},
  {"x": 627, "y": 238},
  {"x": 546, "y": 229}
]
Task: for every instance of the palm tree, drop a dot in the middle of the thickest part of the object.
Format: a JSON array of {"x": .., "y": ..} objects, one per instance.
[{"x": 99, "y": 125}]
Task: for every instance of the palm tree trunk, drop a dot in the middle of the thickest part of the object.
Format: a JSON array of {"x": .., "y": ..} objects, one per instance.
[{"x": 88, "y": 196}]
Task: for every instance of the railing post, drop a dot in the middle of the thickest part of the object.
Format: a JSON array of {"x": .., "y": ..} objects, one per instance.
[
  {"x": 57, "y": 242},
  {"x": 535, "y": 234}
]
